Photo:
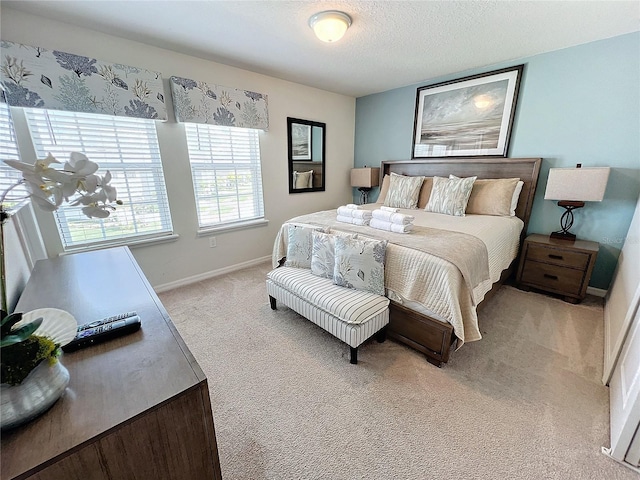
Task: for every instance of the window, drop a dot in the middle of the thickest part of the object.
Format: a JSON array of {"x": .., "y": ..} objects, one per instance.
[
  {"x": 9, "y": 151},
  {"x": 227, "y": 181},
  {"x": 128, "y": 147}
]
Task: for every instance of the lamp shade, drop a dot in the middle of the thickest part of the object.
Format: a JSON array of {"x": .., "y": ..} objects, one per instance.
[
  {"x": 577, "y": 184},
  {"x": 365, "y": 177}
]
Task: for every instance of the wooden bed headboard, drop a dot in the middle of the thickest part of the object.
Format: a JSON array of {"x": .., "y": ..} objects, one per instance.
[{"x": 526, "y": 169}]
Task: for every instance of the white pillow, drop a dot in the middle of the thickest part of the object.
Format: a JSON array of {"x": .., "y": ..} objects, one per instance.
[
  {"x": 450, "y": 195},
  {"x": 360, "y": 264},
  {"x": 300, "y": 245},
  {"x": 323, "y": 257},
  {"x": 303, "y": 179},
  {"x": 515, "y": 198},
  {"x": 403, "y": 191}
]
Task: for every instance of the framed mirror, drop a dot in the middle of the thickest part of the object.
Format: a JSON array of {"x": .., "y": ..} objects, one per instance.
[{"x": 306, "y": 145}]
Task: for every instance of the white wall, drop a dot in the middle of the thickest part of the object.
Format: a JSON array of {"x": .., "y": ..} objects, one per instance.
[
  {"x": 22, "y": 250},
  {"x": 16, "y": 263},
  {"x": 623, "y": 296},
  {"x": 191, "y": 256}
]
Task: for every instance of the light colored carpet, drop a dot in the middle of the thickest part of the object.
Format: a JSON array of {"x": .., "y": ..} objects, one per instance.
[{"x": 526, "y": 402}]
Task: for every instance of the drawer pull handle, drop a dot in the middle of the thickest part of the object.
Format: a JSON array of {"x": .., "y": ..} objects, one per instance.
[
  {"x": 552, "y": 277},
  {"x": 555, "y": 257}
]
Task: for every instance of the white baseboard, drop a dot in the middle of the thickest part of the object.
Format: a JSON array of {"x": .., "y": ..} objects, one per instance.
[
  {"x": 607, "y": 371},
  {"x": 607, "y": 451},
  {"x": 596, "y": 292},
  {"x": 207, "y": 275}
]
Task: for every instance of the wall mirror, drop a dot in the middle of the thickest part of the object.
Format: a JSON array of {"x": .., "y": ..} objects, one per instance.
[{"x": 306, "y": 144}]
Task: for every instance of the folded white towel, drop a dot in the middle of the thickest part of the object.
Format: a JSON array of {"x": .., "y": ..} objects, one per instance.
[
  {"x": 350, "y": 212},
  {"x": 390, "y": 227},
  {"x": 352, "y": 206},
  {"x": 389, "y": 209},
  {"x": 352, "y": 220},
  {"x": 398, "y": 218},
  {"x": 365, "y": 214},
  {"x": 344, "y": 211}
]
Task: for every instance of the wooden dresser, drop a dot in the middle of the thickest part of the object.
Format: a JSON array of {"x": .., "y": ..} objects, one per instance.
[
  {"x": 557, "y": 266},
  {"x": 137, "y": 407}
]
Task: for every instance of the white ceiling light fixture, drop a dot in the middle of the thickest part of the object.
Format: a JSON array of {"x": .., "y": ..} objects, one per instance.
[{"x": 330, "y": 26}]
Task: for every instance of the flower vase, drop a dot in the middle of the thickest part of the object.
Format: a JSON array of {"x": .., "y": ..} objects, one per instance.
[
  {"x": 47, "y": 381},
  {"x": 35, "y": 395}
]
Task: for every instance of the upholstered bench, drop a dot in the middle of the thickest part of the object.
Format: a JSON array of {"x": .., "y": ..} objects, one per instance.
[{"x": 351, "y": 315}]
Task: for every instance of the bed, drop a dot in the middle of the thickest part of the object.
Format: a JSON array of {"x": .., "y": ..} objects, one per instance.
[{"x": 435, "y": 295}]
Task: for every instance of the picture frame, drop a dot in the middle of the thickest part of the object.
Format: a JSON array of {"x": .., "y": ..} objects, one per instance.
[
  {"x": 468, "y": 117},
  {"x": 300, "y": 141}
]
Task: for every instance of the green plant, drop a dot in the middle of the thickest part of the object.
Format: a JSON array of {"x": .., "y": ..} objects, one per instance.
[{"x": 21, "y": 350}]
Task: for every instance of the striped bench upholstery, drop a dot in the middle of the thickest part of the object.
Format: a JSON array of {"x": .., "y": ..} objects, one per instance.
[{"x": 353, "y": 316}]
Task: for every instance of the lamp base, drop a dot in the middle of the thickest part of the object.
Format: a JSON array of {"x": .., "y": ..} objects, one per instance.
[
  {"x": 364, "y": 195},
  {"x": 563, "y": 236},
  {"x": 566, "y": 221}
]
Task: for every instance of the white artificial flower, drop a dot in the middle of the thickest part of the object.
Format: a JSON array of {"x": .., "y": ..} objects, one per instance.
[
  {"x": 77, "y": 183},
  {"x": 80, "y": 165},
  {"x": 89, "y": 184},
  {"x": 28, "y": 171},
  {"x": 108, "y": 189},
  {"x": 41, "y": 198},
  {"x": 97, "y": 211}
]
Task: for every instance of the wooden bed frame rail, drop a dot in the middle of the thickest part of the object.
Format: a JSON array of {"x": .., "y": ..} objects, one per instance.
[{"x": 421, "y": 332}]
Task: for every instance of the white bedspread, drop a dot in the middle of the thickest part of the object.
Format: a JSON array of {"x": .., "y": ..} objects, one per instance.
[{"x": 434, "y": 286}]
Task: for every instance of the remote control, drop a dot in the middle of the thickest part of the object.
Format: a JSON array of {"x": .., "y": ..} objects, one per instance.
[
  {"x": 113, "y": 318},
  {"x": 105, "y": 329}
]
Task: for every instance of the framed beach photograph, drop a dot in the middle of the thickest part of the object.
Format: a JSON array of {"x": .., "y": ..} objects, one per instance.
[
  {"x": 300, "y": 141},
  {"x": 471, "y": 116}
]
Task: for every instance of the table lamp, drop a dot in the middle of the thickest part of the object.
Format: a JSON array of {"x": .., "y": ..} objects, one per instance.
[
  {"x": 364, "y": 179},
  {"x": 572, "y": 187}
]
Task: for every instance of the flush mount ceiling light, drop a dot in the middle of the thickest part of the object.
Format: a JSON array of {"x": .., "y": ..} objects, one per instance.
[{"x": 331, "y": 25}]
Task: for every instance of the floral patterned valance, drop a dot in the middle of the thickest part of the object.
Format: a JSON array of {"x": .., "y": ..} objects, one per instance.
[
  {"x": 198, "y": 102},
  {"x": 41, "y": 78}
]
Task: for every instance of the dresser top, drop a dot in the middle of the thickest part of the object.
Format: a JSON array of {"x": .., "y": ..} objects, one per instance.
[{"x": 113, "y": 382}]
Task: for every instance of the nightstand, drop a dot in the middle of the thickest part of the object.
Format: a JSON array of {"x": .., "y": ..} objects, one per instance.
[{"x": 557, "y": 266}]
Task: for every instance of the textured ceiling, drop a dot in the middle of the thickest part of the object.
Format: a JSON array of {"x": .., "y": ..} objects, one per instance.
[{"x": 390, "y": 44}]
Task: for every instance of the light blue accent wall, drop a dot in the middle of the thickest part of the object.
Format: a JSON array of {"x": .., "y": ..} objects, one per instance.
[{"x": 576, "y": 105}]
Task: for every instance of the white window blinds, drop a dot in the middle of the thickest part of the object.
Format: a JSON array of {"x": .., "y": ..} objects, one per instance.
[
  {"x": 128, "y": 147},
  {"x": 9, "y": 151},
  {"x": 227, "y": 180}
]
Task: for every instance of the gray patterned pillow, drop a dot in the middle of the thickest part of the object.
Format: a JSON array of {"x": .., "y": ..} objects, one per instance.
[
  {"x": 403, "y": 191},
  {"x": 360, "y": 264},
  {"x": 300, "y": 245},
  {"x": 323, "y": 256},
  {"x": 450, "y": 195}
]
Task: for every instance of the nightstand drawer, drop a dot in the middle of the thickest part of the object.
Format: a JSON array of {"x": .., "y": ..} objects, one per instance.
[
  {"x": 553, "y": 277},
  {"x": 556, "y": 256}
]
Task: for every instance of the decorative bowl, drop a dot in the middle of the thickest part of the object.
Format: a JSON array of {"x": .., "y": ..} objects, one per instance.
[
  {"x": 57, "y": 325},
  {"x": 45, "y": 383}
]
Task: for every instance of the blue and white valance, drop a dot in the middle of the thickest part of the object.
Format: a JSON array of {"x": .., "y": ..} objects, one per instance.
[
  {"x": 40, "y": 78},
  {"x": 198, "y": 102}
]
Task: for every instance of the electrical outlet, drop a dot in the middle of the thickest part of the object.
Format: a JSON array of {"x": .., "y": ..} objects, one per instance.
[{"x": 212, "y": 242}]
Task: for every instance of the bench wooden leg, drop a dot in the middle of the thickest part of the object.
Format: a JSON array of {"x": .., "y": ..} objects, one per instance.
[
  {"x": 354, "y": 355},
  {"x": 381, "y": 336},
  {"x": 272, "y": 301}
]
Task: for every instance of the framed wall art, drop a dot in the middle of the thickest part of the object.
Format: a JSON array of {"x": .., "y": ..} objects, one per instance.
[
  {"x": 301, "y": 141},
  {"x": 471, "y": 116}
]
